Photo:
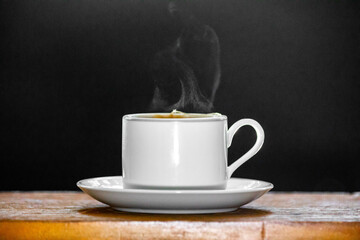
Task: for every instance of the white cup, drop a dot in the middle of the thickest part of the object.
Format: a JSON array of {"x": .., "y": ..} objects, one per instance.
[{"x": 180, "y": 153}]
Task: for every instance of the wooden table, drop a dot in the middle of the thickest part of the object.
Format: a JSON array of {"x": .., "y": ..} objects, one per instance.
[{"x": 74, "y": 215}]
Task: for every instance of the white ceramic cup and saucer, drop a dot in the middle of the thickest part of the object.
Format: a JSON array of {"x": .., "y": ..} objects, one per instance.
[{"x": 178, "y": 165}]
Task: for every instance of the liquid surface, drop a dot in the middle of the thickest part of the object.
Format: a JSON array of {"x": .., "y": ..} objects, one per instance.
[{"x": 178, "y": 114}]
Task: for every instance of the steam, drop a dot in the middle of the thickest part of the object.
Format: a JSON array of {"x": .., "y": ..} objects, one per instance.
[{"x": 187, "y": 73}]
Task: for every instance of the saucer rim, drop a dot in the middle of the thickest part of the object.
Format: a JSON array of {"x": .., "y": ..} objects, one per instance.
[{"x": 176, "y": 191}]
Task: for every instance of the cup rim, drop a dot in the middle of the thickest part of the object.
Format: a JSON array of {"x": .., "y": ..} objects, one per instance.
[{"x": 206, "y": 118}]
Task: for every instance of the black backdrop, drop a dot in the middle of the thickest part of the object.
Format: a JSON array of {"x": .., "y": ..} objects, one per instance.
[{"x": 71, "y": 69}]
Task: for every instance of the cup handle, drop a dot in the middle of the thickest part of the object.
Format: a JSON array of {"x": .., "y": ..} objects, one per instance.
[{"x": 258, "y": 144}]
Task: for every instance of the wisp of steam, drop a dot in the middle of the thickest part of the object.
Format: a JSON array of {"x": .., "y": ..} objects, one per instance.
[{"x": 187, "y": 73}]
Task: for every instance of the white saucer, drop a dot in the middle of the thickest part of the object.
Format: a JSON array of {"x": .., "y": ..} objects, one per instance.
[{"x": 109, "y": 190}]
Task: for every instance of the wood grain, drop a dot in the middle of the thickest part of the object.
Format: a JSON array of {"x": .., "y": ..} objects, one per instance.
[{"x": 74, "y": 215}]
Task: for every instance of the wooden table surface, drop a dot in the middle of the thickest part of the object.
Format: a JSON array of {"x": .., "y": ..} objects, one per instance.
[{"x": 74, "y": 215}]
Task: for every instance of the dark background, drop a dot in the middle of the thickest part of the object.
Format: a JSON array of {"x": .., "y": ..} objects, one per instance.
[{"x": 71, "y": 69}]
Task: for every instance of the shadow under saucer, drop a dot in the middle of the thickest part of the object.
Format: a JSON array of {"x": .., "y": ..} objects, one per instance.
[{"x": 111, "y": 214}]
